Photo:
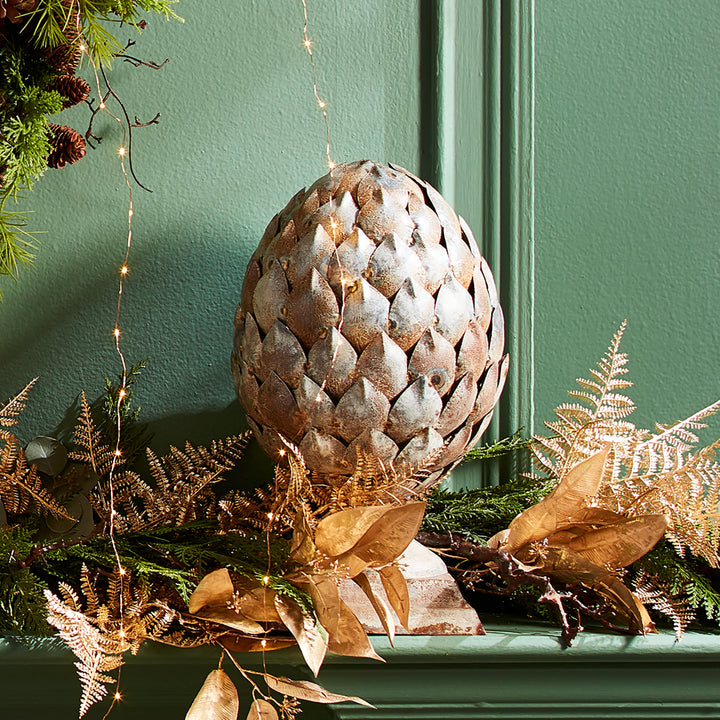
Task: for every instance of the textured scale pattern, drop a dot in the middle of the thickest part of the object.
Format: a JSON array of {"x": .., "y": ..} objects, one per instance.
[{"x": 369, "y": 322}]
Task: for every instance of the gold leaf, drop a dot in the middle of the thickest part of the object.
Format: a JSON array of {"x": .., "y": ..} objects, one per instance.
[
  {"x": 565, "y": 536},
  {"x": 594, "y": 516},
  {"x": 215, "y": 588},
  {"x": 386, "y": 539},
  {"x": 224, "y": 615},
  {"x": 539, "y": 521},
  {"x": 396, "y": 590},
  {"x": 302, "y": 549},
  {"x": 305, "y": 690},
  {"x": 259, "y": 604},
  {"x": 378, "y": 602},
  {"x": 217, "y": 699},
  {"x": 325, "y": 598},
  {"x": 622, "y": 543},
  {"x": 339, "y": 532},
  {"x": 262, "y": 710},
  {"x": 311, "y": 638},
  {"x": 239, "y": 643},
  {"x": 350, "y": 637}
]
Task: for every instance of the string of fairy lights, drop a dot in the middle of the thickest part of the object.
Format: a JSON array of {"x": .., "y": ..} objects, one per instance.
[
  {"x": 322, "y": 104},
  {"x": 308, "y": 43},
  {"x": 123, "y": 273},
  {"x": 116, "y": 334}
]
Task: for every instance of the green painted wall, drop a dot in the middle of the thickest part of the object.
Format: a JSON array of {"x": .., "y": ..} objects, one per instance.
[
  {"x": 240, "y": 134},
  {"x": 625, "y": 180},
  {"x": 627, "y": 177}
]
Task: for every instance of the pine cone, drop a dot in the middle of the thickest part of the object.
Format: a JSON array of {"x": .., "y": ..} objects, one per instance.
[
  {"x": 72, "y": 88},
  {"x": 68, "y": 146},
  {"x": 66, "y": 57},
  {"x": 369, "y": 323}
]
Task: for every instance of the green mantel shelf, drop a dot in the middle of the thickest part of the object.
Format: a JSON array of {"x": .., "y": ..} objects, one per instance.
[{"x": 515, "y": 671}]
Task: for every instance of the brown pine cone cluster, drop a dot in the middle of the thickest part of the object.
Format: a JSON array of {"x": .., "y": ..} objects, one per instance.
[
  {"x": 66, "y": 57},
  {"x": 68, "y": 146}
]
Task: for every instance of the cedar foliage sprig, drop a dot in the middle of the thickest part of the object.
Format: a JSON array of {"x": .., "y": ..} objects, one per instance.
[
  {"x": 514, "y": 443},
  {"x": 24, "y": 143},
  {"x": 22, "y": 606},
  {"x": 478, "y": 514}
]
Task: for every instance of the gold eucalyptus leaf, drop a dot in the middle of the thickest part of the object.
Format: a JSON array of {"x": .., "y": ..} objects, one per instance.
[
  {"x": 306, "y": 690},
  {"x": 590, "y": 516},
  {"x": 568, "y": 498},
  {"x": 242, "y": 643},
  {"x": 262, "y": 710},
  {"x": 386, "y": 539},
  {"x": 381, "y": 607},
  {"x": 350, "y": 637},
  {"x": 325, "y": 598},
  {"x": 338, "y": 533},
  {"x": 565, "y": 536},
  {"x": 396, "y": 590},
  {"x": 224, "y": 615},
  {"x": 217, "y": 699},
  {"x": 622, "y": 543},
  {"x": 311, "y": 637},
  {"x": 259, "y": 604},
  {"x": 216, "y": 588}
]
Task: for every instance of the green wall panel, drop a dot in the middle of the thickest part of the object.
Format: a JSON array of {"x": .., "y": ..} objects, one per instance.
[
  {"x": 627, "y": 158},
  {"x": 240, "y": 133}
]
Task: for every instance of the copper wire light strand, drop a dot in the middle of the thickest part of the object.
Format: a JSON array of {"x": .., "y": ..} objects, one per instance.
[
  {"x": 307, "y": 42},
  {"x": 118, "y": 349},
  {"x": 321, "y": 103}
]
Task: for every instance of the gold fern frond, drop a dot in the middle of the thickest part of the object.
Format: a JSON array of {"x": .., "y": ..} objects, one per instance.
[
  {"x": 10, "y": 411},
  {"x": 21, "y": 488},
  {"x": 598, "y": 416},
  {"x": 659, "y": 595},
  {"x": 112, "y": 623},
  {"x": 681, "y": 435},
  {"x": 658, "y": 478},
  {"x": 98, "y": 653},
  {"x": 238, "y": 512},
  {"x": 180, "y": 490},
  {"x": 89, "y": 445}
]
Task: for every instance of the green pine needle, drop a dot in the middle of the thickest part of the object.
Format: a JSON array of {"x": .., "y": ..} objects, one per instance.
[
  {"x": 16, "y": 244},
  {"x": 478, "y": 514},
  {"x": 502, "y": 447}
]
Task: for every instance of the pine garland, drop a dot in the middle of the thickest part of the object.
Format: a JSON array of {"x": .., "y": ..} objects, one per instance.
[{"x": 477, "y": 515}]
